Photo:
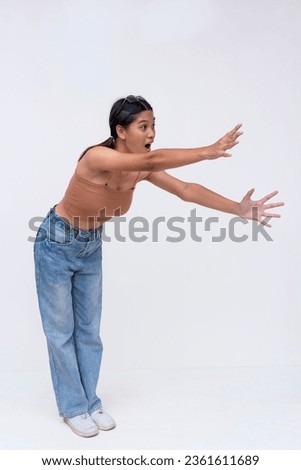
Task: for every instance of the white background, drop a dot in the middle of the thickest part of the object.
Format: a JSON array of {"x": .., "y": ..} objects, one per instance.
[{"x": 204, "y": 65}]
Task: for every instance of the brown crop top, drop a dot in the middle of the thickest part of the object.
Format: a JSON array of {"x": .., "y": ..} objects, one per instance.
[{"x": 87, "y": 205}]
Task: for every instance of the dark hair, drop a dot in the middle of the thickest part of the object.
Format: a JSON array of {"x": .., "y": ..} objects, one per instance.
[{"x": 123, "y": 113}]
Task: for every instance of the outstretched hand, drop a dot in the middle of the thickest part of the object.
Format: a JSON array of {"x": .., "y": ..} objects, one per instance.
[
  {"x": 229, "y": 140},
  {"x": 256, "y": 210}
]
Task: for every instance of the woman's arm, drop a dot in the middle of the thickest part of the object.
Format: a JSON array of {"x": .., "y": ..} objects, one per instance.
[
  {"x": 205, "y": 197},
  {"x": 106, "y": 159},
  {"x": 195, "y": 193}
]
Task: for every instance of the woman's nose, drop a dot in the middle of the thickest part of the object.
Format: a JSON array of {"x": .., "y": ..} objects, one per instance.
[{"x": 151, "y": 133}]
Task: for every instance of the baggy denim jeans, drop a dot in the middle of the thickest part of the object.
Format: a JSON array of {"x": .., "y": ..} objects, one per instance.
[{"x": 68, "y": 270}]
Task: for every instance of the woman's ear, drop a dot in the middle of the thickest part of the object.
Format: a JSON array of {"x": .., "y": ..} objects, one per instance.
[{"x": 120, "y": 132}]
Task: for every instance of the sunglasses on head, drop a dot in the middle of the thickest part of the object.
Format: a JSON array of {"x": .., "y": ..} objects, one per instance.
[{"x": 130, "y": 99}]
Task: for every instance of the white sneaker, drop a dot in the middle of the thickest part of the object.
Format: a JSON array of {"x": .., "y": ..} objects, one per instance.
[
  {"x": 103, "y": 420},
  {"x": 82, "y": 425}
]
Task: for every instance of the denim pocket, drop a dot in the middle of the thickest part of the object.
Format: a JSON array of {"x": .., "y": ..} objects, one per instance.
[{"x": 59, "y": 233}]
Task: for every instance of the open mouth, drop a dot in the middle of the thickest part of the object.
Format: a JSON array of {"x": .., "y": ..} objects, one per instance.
[{"x": 148, "y": 146}]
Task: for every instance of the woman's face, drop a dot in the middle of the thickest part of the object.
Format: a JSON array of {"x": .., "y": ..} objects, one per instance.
[{"x": 140, "y": 134}]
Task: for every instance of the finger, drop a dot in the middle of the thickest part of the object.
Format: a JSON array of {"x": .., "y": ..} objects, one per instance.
[
  {"x": 268, "y": 196},
  {"x": 228, "y": 140},
  {"x": 265, "y": 223},
  {"x": 272, "y": 205},
  {"x": 235, "y": 129},
  {"x": 236, "y": 135},
  {"x": 230, "y": 136},
  {"x": 228, "y": 145},
  {"x": 249, "y": 193},
  {"x": 268, "y": 214}
]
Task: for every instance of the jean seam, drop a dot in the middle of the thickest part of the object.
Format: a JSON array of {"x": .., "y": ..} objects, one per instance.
[
  {"x": 37, "y": 268},
  {"x": 55, "y": 380}
]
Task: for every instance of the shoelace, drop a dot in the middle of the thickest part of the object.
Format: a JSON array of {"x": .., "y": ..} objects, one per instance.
[{"x": 85, "y": 416}]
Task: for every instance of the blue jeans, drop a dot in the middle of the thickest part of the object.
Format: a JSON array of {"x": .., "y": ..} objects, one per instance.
[{"x": 68, "y": 270}]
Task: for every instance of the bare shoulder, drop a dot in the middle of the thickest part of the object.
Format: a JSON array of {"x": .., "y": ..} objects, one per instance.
[
  {"x": 107, "y": 159},
  {"x": 89, "y": 172},
  {"x": 93, "y": 156}
]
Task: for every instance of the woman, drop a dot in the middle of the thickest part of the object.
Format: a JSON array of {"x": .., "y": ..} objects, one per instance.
[{"x": 68, "y": 246}]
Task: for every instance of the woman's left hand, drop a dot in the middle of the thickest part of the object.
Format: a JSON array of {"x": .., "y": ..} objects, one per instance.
[{"x": 256, "y": 210}]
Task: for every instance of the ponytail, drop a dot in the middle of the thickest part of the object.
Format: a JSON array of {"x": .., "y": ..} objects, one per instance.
[{"x": 106, "y": 143}]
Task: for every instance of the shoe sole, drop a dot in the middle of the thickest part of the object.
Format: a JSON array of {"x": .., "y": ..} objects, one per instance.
[
  {"x": 107, "y": 429},
  {"x": 82, "y": 434}
]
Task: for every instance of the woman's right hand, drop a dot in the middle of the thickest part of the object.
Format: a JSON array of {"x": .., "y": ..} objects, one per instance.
[{"x": 219, "y": 149}]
